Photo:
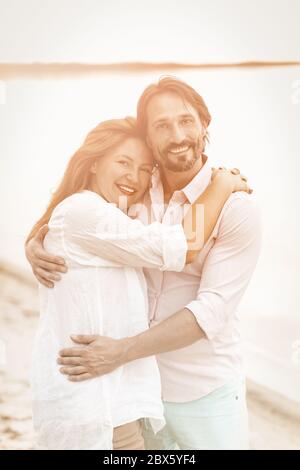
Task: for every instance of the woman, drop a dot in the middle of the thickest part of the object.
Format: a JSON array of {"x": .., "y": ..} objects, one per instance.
[{"x": 104, "y": 291}]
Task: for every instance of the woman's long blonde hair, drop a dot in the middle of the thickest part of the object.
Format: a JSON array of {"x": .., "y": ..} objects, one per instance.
[{"x": 77, "y": 176}]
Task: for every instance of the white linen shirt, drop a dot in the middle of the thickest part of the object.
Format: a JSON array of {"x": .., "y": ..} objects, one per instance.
[
  {"x": 104, "y": 292},
  {"x": 211, "y": 288}
]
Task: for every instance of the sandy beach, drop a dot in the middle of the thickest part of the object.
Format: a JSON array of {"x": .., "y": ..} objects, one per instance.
[{"x": 274, "y": 421}]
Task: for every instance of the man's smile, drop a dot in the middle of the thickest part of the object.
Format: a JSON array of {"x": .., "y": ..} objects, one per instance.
[{"x": 179, "y": 149}]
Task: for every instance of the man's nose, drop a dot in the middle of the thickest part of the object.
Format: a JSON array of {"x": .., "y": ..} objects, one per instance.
[{"x": 178, "y": 134}]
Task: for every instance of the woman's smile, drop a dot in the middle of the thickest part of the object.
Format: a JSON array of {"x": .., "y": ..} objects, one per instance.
[{"x": 125, "y": 189}]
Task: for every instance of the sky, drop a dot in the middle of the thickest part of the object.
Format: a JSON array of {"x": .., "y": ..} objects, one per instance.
[{"x": 142, "y": 30}]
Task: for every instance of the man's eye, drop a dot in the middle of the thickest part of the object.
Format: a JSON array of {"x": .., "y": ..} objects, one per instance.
[
  {"x": 124, "y": 162},
  {"x": 186, "y": 122},
  {"x": 162, "y": 126}
]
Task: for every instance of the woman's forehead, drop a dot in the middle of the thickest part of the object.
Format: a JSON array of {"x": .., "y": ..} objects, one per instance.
[{"x": 135, "y": 149}]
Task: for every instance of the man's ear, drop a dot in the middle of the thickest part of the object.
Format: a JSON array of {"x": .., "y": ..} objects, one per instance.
[{"x": 93, "y": 168}]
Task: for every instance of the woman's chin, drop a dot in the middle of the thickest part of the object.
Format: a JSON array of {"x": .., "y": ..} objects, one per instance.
[{"x": 125, "y": 201}]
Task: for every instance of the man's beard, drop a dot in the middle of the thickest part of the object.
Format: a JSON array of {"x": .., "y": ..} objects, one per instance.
[{"x": 184, "y": 163}]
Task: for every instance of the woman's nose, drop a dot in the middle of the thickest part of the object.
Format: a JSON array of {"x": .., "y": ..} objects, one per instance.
[{"x": 133, "y": 176}]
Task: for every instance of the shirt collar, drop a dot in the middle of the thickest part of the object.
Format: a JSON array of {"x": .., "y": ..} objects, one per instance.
[
  {"x": 199, "y": 183},
  {"x": 194, "y": 188}
]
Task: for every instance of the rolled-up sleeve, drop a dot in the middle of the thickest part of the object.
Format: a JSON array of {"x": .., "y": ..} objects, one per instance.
[
  {"x": 100, "y": 229},
  {"x": 229, "y": 265}
]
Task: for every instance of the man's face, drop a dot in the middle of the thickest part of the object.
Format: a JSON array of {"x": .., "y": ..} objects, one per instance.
[{"x": 175, "y": 132}]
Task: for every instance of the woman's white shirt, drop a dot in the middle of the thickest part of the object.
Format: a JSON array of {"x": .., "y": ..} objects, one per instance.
[{"x": 104, "y": 292}]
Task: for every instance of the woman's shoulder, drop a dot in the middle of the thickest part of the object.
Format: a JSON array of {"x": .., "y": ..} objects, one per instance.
[
  {"x": 83, "y": 208},
  {"x": 81, "y": 205},
  {"x": 80, "y": 201}
]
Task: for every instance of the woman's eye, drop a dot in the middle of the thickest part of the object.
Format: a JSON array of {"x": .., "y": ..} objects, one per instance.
[
  {"x": 147, "y": 170},
  {"x": 124, "y": 162}
]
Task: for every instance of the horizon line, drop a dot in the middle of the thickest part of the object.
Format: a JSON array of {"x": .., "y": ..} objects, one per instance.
[{"x": 13, "y": 70}]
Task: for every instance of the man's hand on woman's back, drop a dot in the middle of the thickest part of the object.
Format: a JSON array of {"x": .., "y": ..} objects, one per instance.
[{"x": 45, "y": 266}]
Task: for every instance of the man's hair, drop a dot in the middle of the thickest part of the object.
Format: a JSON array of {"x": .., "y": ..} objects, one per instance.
[{"x": 174, "y": 85}]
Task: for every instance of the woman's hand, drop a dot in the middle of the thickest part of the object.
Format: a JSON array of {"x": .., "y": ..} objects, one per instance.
[
  {"x": 231, "y": 179},
  {"x": 44, "y": 266}
]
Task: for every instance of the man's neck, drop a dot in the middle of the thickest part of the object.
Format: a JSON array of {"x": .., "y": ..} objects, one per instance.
[{"x": 175, "y": 181}]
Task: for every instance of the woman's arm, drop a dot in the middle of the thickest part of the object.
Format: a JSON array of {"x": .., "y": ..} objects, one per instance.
[
  {"x": 203, "y": 215},
  {"x": 46, "y": 266},
  {"x": 97, "y": 233},
  {"x": 103, "y": 230}
]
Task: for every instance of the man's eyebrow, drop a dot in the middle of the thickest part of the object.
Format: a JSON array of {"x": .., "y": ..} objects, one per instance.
[
  {"x": 160, "y": 120},
  {"x": 165, "y": 119},
  {"x": 186, "y": 115}
]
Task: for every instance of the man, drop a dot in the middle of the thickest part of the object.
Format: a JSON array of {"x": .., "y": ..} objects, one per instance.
[{"x": 195, "y": 328}]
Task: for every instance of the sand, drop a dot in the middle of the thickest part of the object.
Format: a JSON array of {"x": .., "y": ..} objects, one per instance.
[{"x": 274, "y": 421}]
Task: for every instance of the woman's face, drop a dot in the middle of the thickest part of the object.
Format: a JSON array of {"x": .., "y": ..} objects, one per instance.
[{"x": 124, "y": 171}]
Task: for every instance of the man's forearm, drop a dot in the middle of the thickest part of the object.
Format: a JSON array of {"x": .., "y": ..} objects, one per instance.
[
  {"x": 176, "y": 332},
  {"x": 101, "y": 355}
]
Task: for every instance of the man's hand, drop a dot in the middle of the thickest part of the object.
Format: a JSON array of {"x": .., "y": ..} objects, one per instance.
[
  {"x": 98, "y": 356},
  {"x": 45, "y": 266}
]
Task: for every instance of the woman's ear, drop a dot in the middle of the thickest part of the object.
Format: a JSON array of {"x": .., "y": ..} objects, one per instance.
[{"x": 148, "y": 143}]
